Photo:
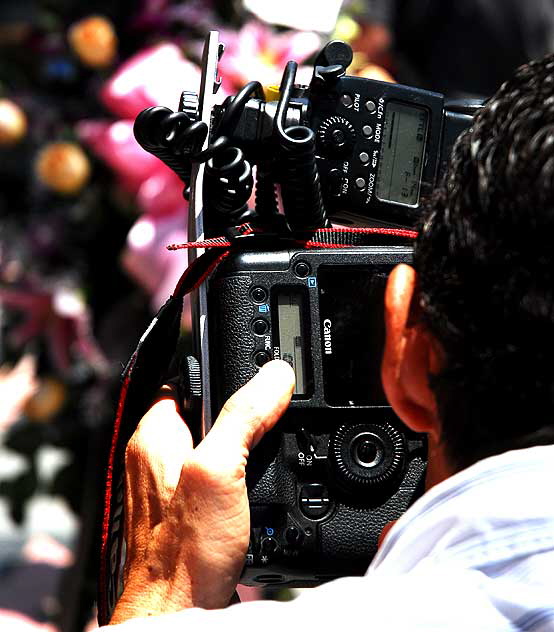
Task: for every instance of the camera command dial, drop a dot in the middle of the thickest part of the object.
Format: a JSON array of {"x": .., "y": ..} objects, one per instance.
[{"x": 367, "y": 454}]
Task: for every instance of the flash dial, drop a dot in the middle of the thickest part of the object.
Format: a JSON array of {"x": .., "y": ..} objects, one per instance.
[{"x": 336, "y": 136}]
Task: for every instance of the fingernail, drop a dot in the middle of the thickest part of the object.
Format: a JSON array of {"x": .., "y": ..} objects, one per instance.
[{"x": 277, "y": 371}]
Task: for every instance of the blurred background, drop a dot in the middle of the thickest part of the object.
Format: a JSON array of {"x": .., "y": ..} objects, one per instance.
[{"x": 85, "y": 216}]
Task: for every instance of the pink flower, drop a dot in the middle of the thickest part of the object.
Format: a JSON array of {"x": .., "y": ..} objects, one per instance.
[
  {"x": 157, "y": 187},
  {"x": 155, "y": 76},
  {"x": 148, "y": 261},
  {"x": 152, "y": 77},
  {"x": 257, "y": 52}
]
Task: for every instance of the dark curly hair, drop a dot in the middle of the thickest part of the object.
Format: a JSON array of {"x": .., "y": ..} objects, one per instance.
[{"x": 485, "y": 263}]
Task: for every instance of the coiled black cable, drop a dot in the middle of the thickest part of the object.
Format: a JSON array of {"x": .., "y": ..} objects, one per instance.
[
  {"x": 171, "y": 136},
  {"x": 266, "y": 195},
  {"x": 177, "y": 140},
  {"x": 300, "y": 184},
  {"x": 228, "y": 178}
]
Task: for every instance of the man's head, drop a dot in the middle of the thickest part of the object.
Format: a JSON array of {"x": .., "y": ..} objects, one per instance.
[{"x": 481, "y": 303}]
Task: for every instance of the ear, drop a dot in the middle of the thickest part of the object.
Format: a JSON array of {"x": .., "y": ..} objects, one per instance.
[{"x": 411, "y": 354}]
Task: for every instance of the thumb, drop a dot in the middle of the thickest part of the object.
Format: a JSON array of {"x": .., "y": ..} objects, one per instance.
[{"x": 250, "y": 412}]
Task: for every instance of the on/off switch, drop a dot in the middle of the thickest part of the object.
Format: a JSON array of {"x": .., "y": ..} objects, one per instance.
[{"x": 335, "y": 180}]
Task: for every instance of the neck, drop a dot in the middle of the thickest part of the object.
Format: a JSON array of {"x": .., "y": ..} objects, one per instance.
[{"x": 438, "y": 468}]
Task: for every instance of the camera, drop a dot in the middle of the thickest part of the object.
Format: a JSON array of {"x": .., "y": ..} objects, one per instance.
[
  {"x": 339, "y": 465},
  {"x": 348, "y": 150}
]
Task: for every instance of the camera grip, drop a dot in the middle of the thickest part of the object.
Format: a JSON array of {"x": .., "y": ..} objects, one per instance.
[
  {"x": 352, "y": 533},
  {"x": 232, "y": 311}
]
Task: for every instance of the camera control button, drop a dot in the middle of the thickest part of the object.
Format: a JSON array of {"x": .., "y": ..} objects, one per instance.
[
  {"x": 302, "y": 269},
  {"x": 370, "y": 106},
  {"x": 347, "y": 100},
  {"x": 360, "y": 183},
  {"x": 293, "y": 535},
  {"x": 367, "y": 131},
  {"x": 269, "y": 546},
  {"x": 258, "y": 294},
  {"x": 261, "y": 358},
  {"x": 364, "y": 158},
  {"x": 314, "y": 500},
  {"x": 260, "y": 326}
]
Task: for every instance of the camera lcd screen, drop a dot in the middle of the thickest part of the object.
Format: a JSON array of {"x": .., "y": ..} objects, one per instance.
[
  {"x": 402, "y": 154},
  {"x": 291, "y": 340},
  {"x": 352, "y": 333}
]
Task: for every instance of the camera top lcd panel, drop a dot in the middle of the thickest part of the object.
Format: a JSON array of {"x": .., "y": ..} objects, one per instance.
[{"x": 381, "y": 147}]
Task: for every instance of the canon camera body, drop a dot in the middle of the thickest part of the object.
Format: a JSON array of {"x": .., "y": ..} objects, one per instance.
[
  {"x": 348, "y": 150},
  {"x": 339, "y": 465}
]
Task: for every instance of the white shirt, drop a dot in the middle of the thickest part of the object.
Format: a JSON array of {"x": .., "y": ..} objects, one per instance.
[{"x": 475, "y": 552}]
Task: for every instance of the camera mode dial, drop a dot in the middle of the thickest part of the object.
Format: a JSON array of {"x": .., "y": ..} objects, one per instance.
[
  {"x": 367, "y": 454},
  {"x": 336, "y": 136}
]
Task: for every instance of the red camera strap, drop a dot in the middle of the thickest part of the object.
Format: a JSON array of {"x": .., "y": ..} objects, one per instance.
[
  {"x": 142, "y": 377},
  {"x": 336, "y": 237},
  {"x": 147, "y": 369}
]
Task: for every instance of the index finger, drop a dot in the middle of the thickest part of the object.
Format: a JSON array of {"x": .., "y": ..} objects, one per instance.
[{"x": 162, "y": 439}]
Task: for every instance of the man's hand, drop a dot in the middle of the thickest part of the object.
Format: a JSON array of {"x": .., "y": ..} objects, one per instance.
[{"x": 187, "y": 514}]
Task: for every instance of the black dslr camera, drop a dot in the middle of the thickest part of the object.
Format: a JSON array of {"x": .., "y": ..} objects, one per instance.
[{"x": 340, "y": 465}]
